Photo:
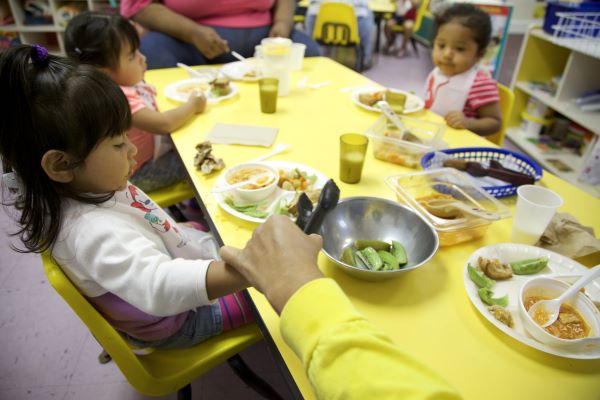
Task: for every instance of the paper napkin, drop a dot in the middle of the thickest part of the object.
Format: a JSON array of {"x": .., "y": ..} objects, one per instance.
[{"x": 249, "y": 135}]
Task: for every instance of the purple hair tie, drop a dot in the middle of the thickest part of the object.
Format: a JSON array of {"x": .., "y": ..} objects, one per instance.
[{"x": 39, "y": 55}]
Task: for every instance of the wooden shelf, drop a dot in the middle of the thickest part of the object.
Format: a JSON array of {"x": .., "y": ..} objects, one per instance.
[{"x": 574, "y": 161}]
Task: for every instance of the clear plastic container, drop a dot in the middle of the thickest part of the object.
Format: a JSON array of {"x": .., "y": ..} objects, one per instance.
[
  {"x": 423, "y": 137},
  {"x": 415, "y": 189}
]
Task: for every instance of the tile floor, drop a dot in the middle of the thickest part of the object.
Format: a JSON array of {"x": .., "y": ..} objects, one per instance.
[{"x": 47, "y": 353}]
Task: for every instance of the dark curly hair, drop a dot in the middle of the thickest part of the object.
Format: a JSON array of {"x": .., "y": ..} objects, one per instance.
[
  {"x": 469, "y": 16},
  {"x": 52, "y": 103}
]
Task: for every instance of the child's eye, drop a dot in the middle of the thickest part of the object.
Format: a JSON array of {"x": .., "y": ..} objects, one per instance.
[
  {"x": 120, "y": 145},
  {"x": 460, "y": 49}
]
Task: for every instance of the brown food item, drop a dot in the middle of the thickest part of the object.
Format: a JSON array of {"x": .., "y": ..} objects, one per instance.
[
  {"x": 569, "y": 325},
  {"x": 494, "y": 268},
  {"x": 313, "y": 196},
  {"x": 456, "y": 163},
  {"x": 370, "y": 99},
  {"x": 502, "y": 315},
  {"x": 204, "y": 161}
]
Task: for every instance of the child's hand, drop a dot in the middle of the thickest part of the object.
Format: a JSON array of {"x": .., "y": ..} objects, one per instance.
[
  {"x": 198, "y": 101},
  {"x": 456, "y": 120}
]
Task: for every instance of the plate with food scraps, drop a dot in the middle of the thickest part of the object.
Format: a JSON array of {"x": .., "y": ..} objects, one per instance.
[
  {"x": 367, "y": 97},
  {"x": 514, "y": 255},
  {"x": 242, "y": 70},
  {"x": 215, "y": 90},
  {"x": 294, "y": 178}
]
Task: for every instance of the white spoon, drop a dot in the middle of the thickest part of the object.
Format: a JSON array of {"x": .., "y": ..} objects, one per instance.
[
  {"x": 269, "y": 175},
  {"x": 279, "y": 147},
  {"x": 552, "y": 307},
  {"x": 190, "y": 70},
  {"x": 238, "y": 56},
  {"x": 392, "y": 116}
]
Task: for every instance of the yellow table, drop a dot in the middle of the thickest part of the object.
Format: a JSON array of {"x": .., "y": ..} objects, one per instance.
[{"x": 427, "y": 311}]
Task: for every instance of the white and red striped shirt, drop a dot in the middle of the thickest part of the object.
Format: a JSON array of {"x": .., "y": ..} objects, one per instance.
[{"x": 483, "y": 92}]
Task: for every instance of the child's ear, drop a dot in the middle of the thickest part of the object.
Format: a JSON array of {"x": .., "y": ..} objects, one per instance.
[{"x": 58, "y": 165}]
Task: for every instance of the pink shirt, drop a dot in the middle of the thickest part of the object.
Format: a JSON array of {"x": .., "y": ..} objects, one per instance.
[
  {"x": 224, "y": 13},
  {"x": 139, "y": 97},
  {"x": 483, "y": 92}
]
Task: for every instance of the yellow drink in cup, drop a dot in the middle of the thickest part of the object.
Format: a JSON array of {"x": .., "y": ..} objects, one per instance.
[
  {"x": 353, "y": 148},
  {"x": 268, "y": 94}
]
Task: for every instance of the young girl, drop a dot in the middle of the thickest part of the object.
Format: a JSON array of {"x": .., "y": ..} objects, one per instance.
[
  {"x": 110, "y": 43},
  {"x": 63, "y": 138},
  {"x": 457, "y": 89},
  {"x": 405, "y": 15}
]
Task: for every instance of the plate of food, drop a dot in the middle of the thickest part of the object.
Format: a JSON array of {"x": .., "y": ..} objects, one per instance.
[
  {"x": 215, "y": 90},
  {"x": 242, "y": 70},
  {"x": 294, "y": 178},
  {"x": 506, "y": 267},
  {"x": 367, "y": 97}
]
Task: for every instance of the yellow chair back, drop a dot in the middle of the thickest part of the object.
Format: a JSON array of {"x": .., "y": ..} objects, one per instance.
[
  {"x": 160, "y": 372},
  {"x": 171, "y": 195},
  {"x": 336, "y": 25},
  {"x": 507, "y": 100}
]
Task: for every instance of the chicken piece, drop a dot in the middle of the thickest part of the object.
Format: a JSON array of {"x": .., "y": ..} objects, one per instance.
[
  {"x": 502, "y": 315},
  {"x": 567, "y": 318},
  {"x": 204, "y": 161},
  {"x": 494, "y": 268}
]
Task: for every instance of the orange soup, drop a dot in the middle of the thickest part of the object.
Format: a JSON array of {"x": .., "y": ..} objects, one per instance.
[
  {"x": 569, "y": 325},
  {"x": 243, "y": 174}
]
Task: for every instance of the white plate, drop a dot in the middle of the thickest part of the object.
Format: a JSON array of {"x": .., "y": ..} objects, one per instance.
[
  {"x": 557, "y": 265},
  {"x": 173, "y": 90},
  {"x": 237, "y": 70},
  {"x": 413, "y": 103},
  {"x": 277, "y": 194}
]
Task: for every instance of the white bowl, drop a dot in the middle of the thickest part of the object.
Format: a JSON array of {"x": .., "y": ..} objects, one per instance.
[
  {"x": 253, "y": 196},
  {"x": 551, "y": 288}
]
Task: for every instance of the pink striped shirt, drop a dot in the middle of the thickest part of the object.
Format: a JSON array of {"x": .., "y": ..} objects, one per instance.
[
  {"x": 225, "y": 13},
  {"x": 483, "y": 92},
  {"x": 139, "y": 97}
]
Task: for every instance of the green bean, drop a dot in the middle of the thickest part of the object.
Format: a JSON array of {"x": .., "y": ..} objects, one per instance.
[
  {"x": 371, "y": 259},
  {"x": 389, "y": 261},
  {"x": 479, "y": 277},
  {"x": 399, "y": 252},
  {"x": 529, "y": 266},
  {"x": 348, "y": 256},
  {"x": 361, "y": 244},
  {"x": 486, "y": 295}
]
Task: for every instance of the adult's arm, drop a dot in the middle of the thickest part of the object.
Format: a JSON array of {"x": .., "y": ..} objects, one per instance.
[
  {"x": 345, "y": 356},
  {"x": 157, "y": 17},
  {"x": 283, "y": 18}
]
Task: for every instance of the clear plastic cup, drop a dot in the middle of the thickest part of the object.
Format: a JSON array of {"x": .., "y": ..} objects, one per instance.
[
  {"x": 535, "y": 208},
  {"x": 275, "y": 56},
  {"x": 297, "y": 56}
]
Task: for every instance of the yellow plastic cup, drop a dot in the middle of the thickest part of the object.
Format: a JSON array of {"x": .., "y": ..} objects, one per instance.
[
  {"x": 268, "y": 94},
  {"x": 353, "y": 149}
]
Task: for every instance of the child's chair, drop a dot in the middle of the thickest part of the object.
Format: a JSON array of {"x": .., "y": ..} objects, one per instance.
[
  {"x": 159, "y": 372},
  {"x": 336, "y": 25},
  {"x": 170, "y": 196},
  {"x": 507, "y": 99},
  {"x": 418, "y": 19}
]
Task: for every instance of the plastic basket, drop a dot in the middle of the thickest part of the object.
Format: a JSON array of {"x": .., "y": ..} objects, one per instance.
[
  {"x": 551, "y": 19},
  {"x": 579, "y": 31},
  {"x": 517, "y": 161}
]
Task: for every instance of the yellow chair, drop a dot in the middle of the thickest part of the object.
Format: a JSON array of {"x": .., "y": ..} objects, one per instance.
[
  {"x": 507, "y": 100},
  {"x": 418, "y": 19},
  {"x": 336, "y": 25},
  {"x": 160, "y": 371}
]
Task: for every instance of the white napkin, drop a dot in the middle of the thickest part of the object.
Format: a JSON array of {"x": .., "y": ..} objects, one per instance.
[{"x": 248, "y": 135}]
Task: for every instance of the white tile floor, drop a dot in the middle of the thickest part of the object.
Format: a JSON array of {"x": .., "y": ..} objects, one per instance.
[{"x": 47, "y": 353}]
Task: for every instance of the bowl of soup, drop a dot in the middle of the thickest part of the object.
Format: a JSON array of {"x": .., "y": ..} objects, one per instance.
[
  {"x": 578, "y": 325},
  {"x": 257, "y": 191}
]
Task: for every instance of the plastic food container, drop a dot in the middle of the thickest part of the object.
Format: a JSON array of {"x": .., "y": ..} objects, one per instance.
[
  {"x": 424, "y": 137},
  {"x": 416, "y": 188}
]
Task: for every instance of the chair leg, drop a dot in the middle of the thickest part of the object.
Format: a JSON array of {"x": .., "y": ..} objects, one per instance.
[
  {"x": 414, "y": 45},
  {"x": 185, "y": 393},
  {"x": 255, "y": 382},
  {"x": 104, "y": 357}
]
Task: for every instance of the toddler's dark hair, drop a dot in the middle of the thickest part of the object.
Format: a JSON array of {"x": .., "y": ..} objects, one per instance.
[
  {"x": 52, "y": 103},
  {"x": 469, "y": 16},
  {"x": 97, "y": 38}
]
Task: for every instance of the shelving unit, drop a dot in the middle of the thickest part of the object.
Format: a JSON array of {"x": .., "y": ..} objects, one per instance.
[
  {"x": 541, "y": 60},
  {"x": 51, "y": 34}
]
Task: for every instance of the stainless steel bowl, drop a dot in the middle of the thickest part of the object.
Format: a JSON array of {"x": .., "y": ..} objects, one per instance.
[{"x": 379, "y": 219}]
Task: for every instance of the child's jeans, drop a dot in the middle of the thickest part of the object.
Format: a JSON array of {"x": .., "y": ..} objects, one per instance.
[{"x": 164, "y": 171}]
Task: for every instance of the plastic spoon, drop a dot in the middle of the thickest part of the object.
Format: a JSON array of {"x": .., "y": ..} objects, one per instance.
[
  {"x": 552, "y": 307},
  {"x": 392, "y": 116},
  {"x": 253, "y": 180},
  {"x": 446, "y": 208},
  {"x": 279, "y": 147},
  {"x": 238, "y": 56},
  {"x": 190, "y": 70}
]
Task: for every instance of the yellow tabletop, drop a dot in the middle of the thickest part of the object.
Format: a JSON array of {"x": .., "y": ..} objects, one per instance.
[{"x": 427, "y": 311}]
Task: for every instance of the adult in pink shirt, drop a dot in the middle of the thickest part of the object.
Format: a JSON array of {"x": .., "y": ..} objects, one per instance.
[{"x": 205, "y": 31}]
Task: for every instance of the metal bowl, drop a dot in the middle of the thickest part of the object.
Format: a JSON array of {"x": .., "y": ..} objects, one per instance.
[{"x": 378, "y": 219}]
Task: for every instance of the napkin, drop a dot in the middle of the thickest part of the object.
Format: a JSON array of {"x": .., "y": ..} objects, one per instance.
[
  {"x": 249, "y": 135},
  {"x": 566, "y": 236}
]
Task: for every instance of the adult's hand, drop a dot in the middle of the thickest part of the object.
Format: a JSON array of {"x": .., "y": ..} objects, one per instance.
[
  {"x": 208, "y": 42},
  {"x": 278, "y": 260},
  {"x": 280, "y": 29}
]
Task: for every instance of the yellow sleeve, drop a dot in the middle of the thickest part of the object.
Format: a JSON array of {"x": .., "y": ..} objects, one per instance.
[{"x": 345, "y": 356}]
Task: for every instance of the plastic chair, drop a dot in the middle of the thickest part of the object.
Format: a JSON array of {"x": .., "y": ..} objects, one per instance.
[
  {"x": 507, "y": 99},
  {"x": 160, "y": 371},
  {"x": 170, "y": 196},
  {"x": 336, "y": 25},
  {"x": 419, "y": 18}
]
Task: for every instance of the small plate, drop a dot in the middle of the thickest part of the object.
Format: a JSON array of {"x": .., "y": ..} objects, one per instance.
[
  {"x": 557, "y": 265},
  {"x": 413, "y": 103},
  {"x": 180, "y": 90},
  {"x": 238, "y": 70},
  {"x": 277, "y": 195}
]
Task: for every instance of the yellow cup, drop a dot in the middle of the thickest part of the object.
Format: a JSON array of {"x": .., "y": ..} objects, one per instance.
[
  {"x": 268, "y": 94},
  {"x": 353, "y": 149}
]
